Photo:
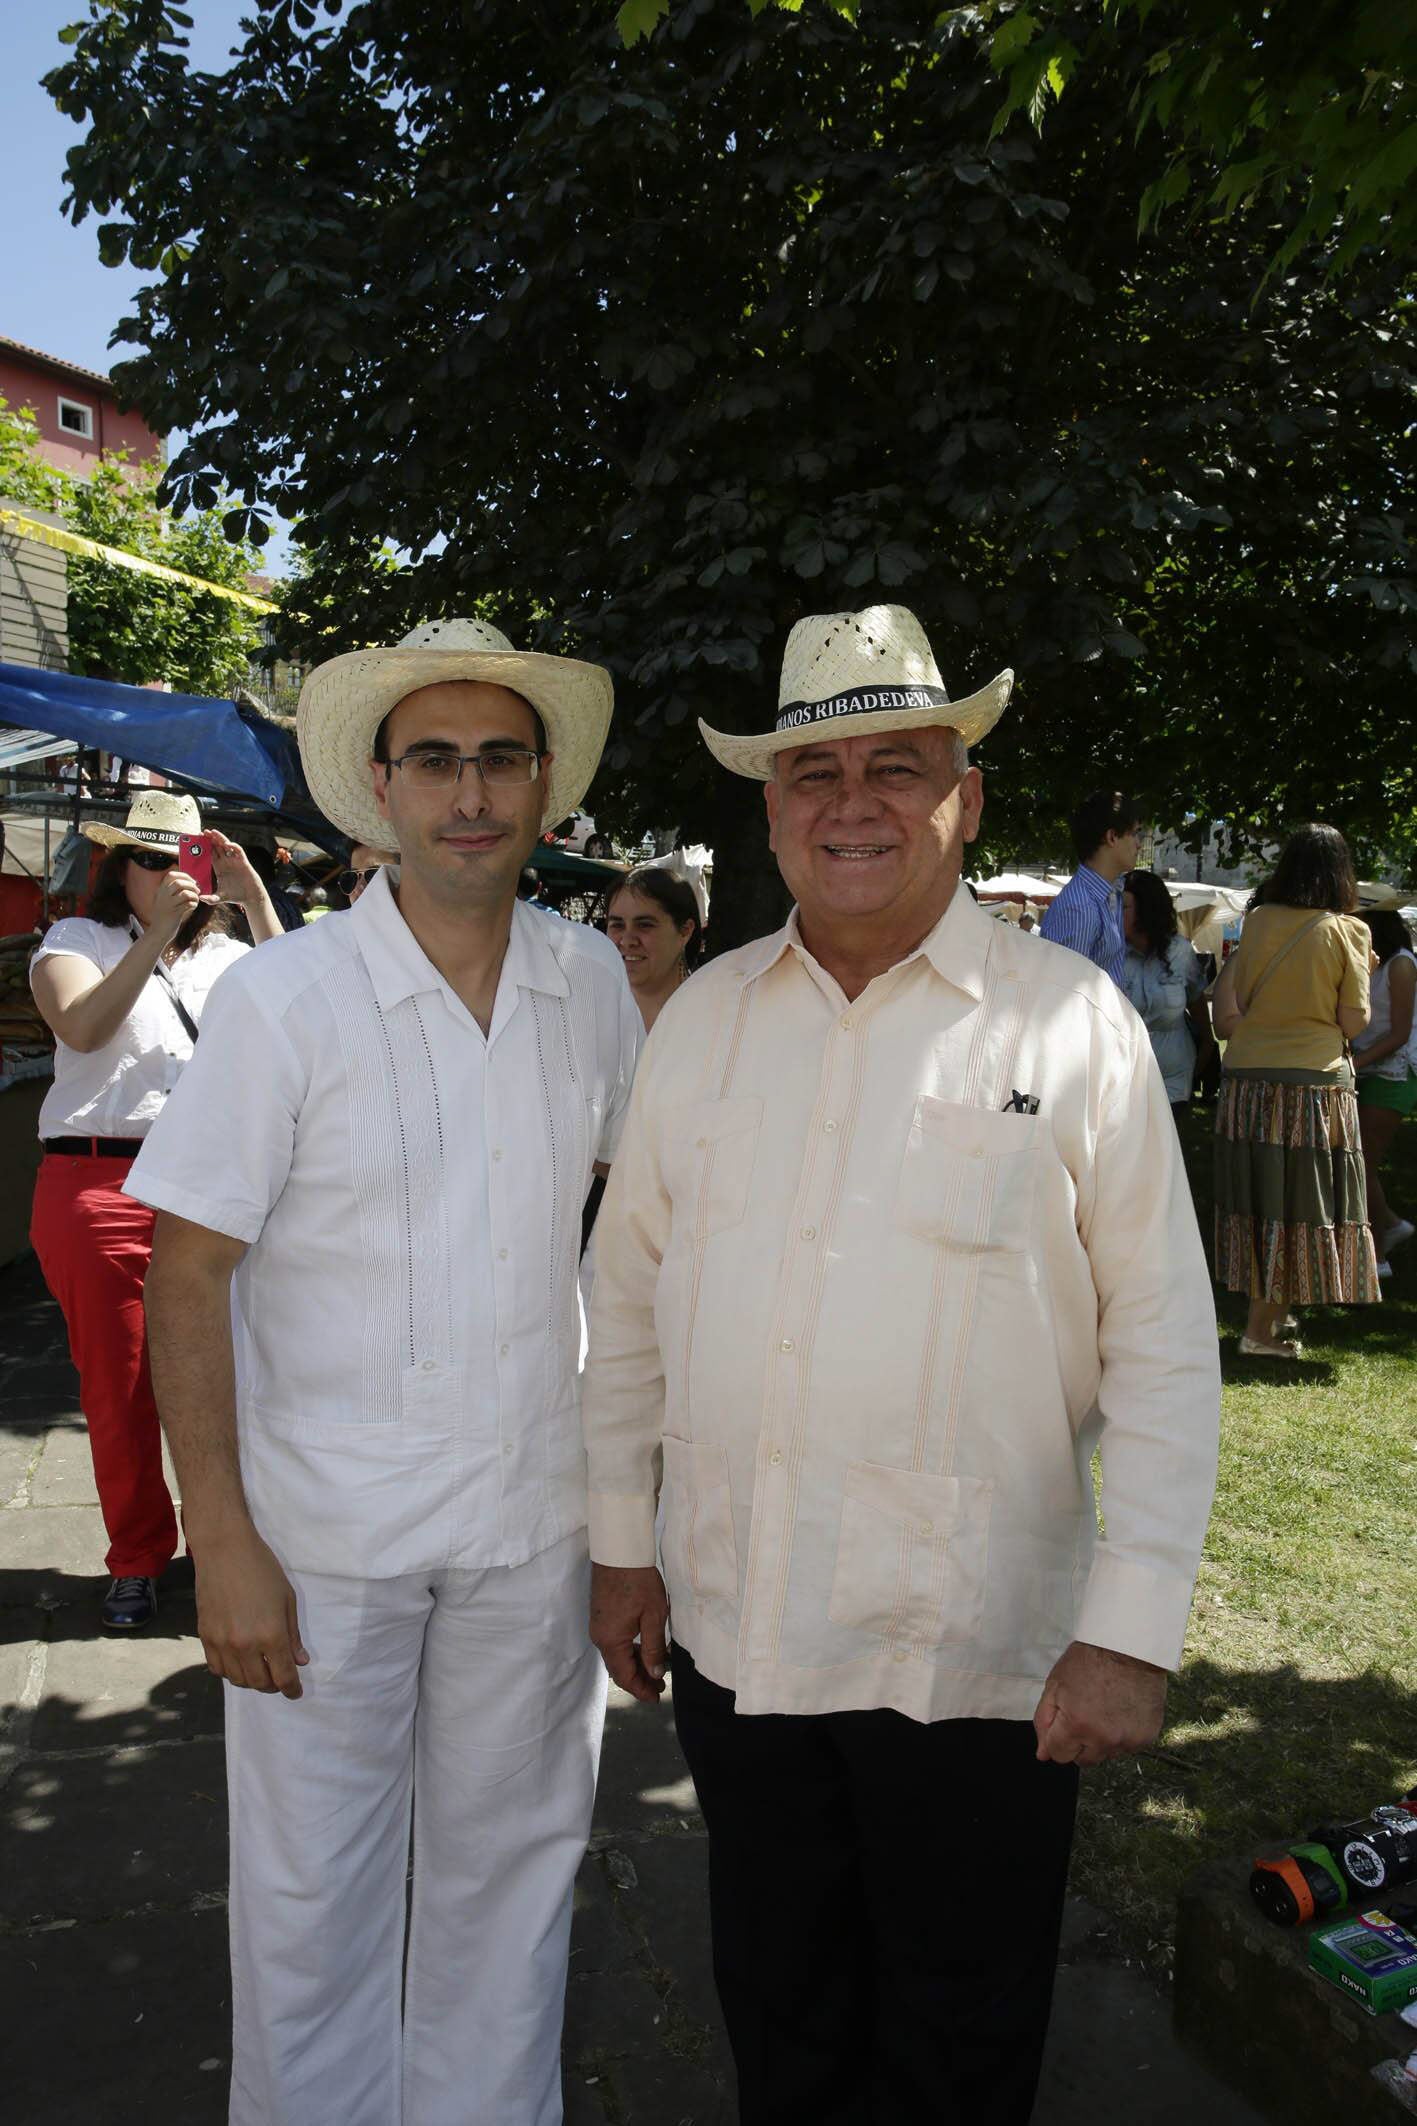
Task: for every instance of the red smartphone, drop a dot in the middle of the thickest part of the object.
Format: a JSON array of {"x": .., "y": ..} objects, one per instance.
[{"x": 194, "y": 856}]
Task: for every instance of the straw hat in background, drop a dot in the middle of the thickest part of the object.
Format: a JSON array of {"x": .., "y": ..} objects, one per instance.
[{"x": 157, "y": 819}]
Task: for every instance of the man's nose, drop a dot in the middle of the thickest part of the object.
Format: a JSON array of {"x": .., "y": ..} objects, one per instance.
[
  {"x": 856, "y": 797},
  {"x": 470, "y": 799}
]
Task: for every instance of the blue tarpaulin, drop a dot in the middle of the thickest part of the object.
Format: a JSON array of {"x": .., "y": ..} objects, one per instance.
[{"x": 203, "y": 741}]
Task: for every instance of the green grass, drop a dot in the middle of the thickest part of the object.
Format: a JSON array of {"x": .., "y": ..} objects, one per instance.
[{"x": 1298, "y": 1699}]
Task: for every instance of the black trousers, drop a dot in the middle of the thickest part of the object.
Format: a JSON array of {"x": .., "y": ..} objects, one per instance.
[{"x": 885, "y": 1897}]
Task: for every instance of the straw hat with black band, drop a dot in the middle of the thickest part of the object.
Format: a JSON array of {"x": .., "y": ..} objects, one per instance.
[
  {"x": 343, "y": 703},
  {"x": 157, "y": 819},
  {"x": 847, "y": 675}
]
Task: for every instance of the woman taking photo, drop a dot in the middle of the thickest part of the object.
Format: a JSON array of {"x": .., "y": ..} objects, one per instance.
[
  {"x": 1166, "y": 983},
  {"x": 654, "y": 925},
  {"x": 122, "y": 991},
  {"x": 1291, "y": 1208},
  {"x": 1386, "y": 1059}
]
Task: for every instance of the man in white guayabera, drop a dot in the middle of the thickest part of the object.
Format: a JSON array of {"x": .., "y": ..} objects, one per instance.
[
  {"x": 897, "y": 1234},
  {"x": 384, "y": 1143}
]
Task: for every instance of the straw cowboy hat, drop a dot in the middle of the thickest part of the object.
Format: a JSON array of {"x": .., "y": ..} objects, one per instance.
[
  {"x": 845, "y": 675},
  {"x": 157, "y": 819},
  {"x": 343, "y": 703}
]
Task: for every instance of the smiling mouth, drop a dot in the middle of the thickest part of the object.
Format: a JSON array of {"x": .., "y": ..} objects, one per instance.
[{"x": 857, "y": 852}]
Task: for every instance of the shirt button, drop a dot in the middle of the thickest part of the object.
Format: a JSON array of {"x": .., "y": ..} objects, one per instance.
[
  {"x": 846, "y": 1022},
  {"x": 775, "y": 1457},
  {"x": 502, "y": 1254},
  {"x": 699, "y": 1143},
  {"x": 976, "y": 1151},
  {"x": 830, "y": 1128},
  {"x": 900, "y": 1654},
  {"x": 809, "y": 1232},
  {"x": 507, "y": 1450},
  {"x": 430, "y": 1365},
  {"x": 786, "y": 1344},
  {"x": 927, "y": 1528},
  {"x": 505, "y": 1350},
  {"x": 498, "y": 1152}
]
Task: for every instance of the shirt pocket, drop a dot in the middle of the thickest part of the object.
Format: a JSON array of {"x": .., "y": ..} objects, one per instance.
[
  {"x": 913, "y": 1555},
  {"x": 711, "y": 1152},
  {"x": 969, "y": 1177},
  {"x": 700, "y": 1550},
  {"x": 1170, "y": 1006}
]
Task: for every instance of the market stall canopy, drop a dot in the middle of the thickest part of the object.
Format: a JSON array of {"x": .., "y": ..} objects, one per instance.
[
  {"x": 551, "y": 862},
  {"x": 211, "y": 743},
  {"x": 1016, "y": 886}
]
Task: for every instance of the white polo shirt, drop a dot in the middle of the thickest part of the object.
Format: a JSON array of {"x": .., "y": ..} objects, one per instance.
[{"x": 407, "y": 1318}]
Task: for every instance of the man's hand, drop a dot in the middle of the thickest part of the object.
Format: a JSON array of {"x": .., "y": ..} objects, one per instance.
[
  {"x": 1097, "y": 1704},
  {"x": 246, "y": 1615},
  {"x": 628, "y": 1603}
]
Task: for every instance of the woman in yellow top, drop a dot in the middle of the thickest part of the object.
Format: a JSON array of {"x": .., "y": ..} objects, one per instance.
[{"x": 1291, "y": 1206}]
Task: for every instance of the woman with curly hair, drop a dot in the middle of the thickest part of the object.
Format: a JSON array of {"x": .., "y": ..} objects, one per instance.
[{"x": 1291, "y": 1203}]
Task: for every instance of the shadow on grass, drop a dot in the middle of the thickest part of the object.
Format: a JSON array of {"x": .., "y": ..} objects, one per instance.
[{"x": 1248, "y": 1757}]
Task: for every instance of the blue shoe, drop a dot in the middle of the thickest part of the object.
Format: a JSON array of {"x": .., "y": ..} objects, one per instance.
[{"x": 131, "y": 1602}]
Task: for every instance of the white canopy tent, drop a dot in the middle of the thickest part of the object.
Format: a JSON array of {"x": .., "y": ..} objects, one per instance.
[{"x": 1015, "y": 886}]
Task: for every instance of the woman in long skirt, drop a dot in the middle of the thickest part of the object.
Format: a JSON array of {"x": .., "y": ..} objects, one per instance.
[{"x": 1291, "y": 1208}]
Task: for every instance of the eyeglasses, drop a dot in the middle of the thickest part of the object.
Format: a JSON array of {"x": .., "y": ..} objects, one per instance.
[
  {"x": 349, "y": 880},
  {"x": 152, "y": 859},
  {"x": 501, "y": 767}
]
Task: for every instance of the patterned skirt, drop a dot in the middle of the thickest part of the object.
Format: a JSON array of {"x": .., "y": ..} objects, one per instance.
[{"x": 1291, "y": 1194}]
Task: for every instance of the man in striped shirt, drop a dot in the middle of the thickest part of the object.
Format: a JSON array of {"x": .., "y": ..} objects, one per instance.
[{"x": 1087, "y": 915}]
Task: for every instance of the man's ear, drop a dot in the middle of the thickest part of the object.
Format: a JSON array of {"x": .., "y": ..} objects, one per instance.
[
  {"x": 971, "y": 802},
  {"x": 770, "y": 799},
  {"x": 379, "y": 783}
]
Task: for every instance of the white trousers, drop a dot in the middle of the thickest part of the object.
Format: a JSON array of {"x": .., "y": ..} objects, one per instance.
[{"x": 472, "y": 1703}]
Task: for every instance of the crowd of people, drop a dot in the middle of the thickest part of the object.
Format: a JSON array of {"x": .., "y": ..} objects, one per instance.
[
  {"x": 1315, "y": 1011},
  {"x": 895, "y": 1234}
]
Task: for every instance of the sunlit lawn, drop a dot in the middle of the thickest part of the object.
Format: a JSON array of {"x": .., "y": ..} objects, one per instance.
[{"x": 1298, "y": 1700}]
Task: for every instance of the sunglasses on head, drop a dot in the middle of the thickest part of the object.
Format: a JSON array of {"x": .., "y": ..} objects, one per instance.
[{"x": 152, "y": 859}]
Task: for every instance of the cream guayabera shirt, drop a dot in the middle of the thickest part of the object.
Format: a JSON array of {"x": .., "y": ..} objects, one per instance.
[{"x": 874, "y": 1279}]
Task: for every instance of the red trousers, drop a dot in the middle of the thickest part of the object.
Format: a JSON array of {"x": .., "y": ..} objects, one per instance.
[{"x": 93, "y": 1244}]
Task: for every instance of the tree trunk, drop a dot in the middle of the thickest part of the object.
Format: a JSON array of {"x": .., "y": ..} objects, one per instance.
[{"x": 749, "y": 898}]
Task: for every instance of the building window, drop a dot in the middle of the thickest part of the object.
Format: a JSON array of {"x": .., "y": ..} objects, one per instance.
[{"x": 76, "y": 419}]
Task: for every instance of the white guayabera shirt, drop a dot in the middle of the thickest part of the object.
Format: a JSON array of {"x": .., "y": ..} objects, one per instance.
[
  {"x": 873, "y": 1280},
  {"x": 407, "y": 1316}
]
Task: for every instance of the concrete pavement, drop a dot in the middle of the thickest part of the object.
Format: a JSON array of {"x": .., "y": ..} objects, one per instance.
[{"x": 113, "y": 1863}]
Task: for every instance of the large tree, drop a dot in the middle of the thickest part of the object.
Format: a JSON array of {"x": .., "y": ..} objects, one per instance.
[{"x": 659, "y": 347}]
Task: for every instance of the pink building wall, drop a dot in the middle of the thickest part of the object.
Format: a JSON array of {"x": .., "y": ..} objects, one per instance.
[{"x": 29, "y": 378}]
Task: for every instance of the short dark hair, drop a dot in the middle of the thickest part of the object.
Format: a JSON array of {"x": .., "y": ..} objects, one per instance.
[
  {"x": 674, "y": 895},
  {"x": 109, "y": 905},
  {"x": 1156, "y": 911},
  {"x": 1315, "y": 870},
  {"x": 1390, "y": 934},
  {"x": 380, "y": 750},
  {"x": 1105, "y": 812}
]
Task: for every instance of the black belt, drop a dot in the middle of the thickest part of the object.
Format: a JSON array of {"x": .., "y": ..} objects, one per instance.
[{"x": 94, "y": 1147}]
